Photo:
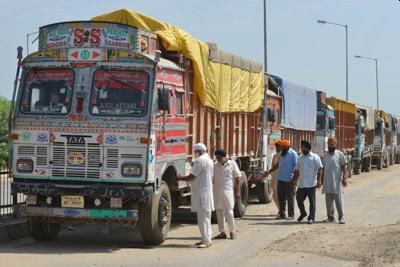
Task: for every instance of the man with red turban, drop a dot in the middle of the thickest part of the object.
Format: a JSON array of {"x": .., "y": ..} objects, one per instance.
[{"x": 286, "y": 167}]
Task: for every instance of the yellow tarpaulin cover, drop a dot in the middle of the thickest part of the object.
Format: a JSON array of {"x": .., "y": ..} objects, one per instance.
[
  {"x": 341, "y": 105},
  {"x": 384, "y": 116},
  {"x": 237, "y": 87}
]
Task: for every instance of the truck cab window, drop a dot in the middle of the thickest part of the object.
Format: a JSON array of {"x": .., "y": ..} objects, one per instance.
[
  {"x": 47, "y": 92},
  {"x": 119, "y": 93}
]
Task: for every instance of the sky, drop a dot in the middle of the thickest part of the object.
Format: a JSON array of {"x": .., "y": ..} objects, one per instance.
[{"x": 299, "y": 49}]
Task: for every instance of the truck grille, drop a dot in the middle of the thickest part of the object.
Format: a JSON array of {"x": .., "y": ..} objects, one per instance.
[
  {"x": 40, "y": 152},
  {"x": 113, "y": 155},
  {"x": 76, "y": 161}
]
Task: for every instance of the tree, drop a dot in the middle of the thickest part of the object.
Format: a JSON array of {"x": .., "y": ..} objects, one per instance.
[{"x": 4, "y": 112}]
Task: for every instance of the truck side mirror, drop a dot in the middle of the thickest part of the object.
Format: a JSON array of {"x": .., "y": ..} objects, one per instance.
[
  {"x": 271, "y": 115},
  {"x": 163, "y": 99}
]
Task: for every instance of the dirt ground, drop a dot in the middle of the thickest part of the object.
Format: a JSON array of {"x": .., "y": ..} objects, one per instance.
[{"x": 370, "y": 246}]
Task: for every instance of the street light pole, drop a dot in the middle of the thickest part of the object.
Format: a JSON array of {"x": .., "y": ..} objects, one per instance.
[
  {"x": 347, "y": 52},
  {"x": 377, "y": 86},
  {"x": 347, "y": 64},
  {"x": 265, "y": 36},
  {"x": 376, "y": 76}
]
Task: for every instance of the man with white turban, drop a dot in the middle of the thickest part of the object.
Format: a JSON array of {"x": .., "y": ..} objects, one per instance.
[{"x": 201, "y": 178}]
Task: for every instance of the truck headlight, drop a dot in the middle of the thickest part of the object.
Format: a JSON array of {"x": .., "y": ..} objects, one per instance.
[
  {"x": 131, "y": 169},
  {"x": 25, "y": 165}
]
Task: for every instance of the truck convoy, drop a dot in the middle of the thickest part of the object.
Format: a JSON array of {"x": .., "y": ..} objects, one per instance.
[{"x": 106, "y": 112}]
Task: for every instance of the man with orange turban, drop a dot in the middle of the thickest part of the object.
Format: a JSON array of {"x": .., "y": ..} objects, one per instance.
[{"x": 286, "y": 167}]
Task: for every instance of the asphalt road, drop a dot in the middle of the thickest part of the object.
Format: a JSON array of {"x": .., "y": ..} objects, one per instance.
[{"x": 372, "y": 214}]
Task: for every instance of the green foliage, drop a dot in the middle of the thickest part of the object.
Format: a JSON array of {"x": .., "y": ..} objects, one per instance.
[{"x": 4, "y": 112}]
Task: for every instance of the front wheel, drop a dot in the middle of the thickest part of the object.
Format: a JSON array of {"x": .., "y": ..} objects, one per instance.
[
  {"x": 43, "y": 231},
  {"x": 155, "y": 216},
  {"x": 264, "y": 192},
  {"x": 241, "y": 204}
]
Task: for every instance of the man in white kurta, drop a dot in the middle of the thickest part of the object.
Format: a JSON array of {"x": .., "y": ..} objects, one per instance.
[
  {"x": 274, "y": 179},
  {"x": 202, "y": 201},
  {"x": 335, "y": 178},
  {"x": 226, "y": 188}
]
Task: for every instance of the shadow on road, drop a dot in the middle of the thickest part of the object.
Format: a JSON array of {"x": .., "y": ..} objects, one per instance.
[{"x": 99, "y": 238}]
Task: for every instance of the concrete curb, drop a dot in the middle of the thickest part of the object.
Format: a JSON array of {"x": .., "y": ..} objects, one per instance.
[{"x": 12, "y": 230}]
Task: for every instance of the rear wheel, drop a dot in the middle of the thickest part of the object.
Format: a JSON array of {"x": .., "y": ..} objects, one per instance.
[
  {"x": 155, "y": 216},
  {"x": 367, "y": 164},
  {"x": 241, "y": 204},
  {"x": 397, "y": 161},
  {"x": 264, "y": 192},
  {"x": 391, "y": 162},
  {"x": 43, "y": 231},
  {"x": 350, "y": 167},
  {"x": 357, "y": 168}
]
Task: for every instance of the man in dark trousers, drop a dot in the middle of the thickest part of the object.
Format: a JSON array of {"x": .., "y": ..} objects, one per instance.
[
  {"x": 286, "y": 167},
  {"x": 307, "y": 177}
]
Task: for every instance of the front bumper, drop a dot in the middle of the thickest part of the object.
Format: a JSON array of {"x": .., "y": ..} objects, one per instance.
[
  {"x": 71, "y": 214},
  {"x": 139, "y": 193}
]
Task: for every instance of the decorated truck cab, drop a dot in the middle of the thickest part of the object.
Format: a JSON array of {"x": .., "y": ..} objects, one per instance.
[{"x": 83, "y": 129}]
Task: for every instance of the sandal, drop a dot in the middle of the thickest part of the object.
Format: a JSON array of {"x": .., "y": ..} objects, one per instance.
[
  {"x": 221, "y": 235},
  {"x": 202, "y": 245}
]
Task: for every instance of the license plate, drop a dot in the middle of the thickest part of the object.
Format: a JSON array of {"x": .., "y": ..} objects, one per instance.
[
  {"x": 31, "y": 199},
  {"x": 72, "y": 202}
]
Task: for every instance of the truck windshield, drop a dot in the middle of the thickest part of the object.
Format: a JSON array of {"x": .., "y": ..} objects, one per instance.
[
  {"x": 47, "y": 91},
  {"x": 321, "y": 120},
  {"x": 119, "y": 93}
]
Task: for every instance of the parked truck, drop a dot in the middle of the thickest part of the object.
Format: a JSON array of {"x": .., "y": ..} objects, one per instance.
[
  {"x": 345, "y": 133},
  {"x": 364, "y": 139},
  {"x": 326, "y": 124},
  {"x": 393, "y": 138},
  {"x": 397, "y": 158},
  {"x": 105, "y": 117},
  {"x": 382, "y": 140},
  {"x": 299, "y": 109}
]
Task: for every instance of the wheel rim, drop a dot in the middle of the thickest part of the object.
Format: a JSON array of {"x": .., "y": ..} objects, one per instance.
[{"x": 164, "y": 212}]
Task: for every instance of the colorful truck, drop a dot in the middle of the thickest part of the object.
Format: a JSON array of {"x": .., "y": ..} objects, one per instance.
[
  {"x": 393, "y": 136},
  {"x": 345, "y": 133},
  {"x": 326, "y": 124},
  {"x": 382, "y": 140},
  {"x": 105, "y": 116},
  {"x": 299, "y": 111},
  {"x": 365, "y": 129}
]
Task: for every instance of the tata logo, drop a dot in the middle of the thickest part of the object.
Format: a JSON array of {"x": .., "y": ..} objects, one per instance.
[
  {"x": 76, "y": 139},
  {"x": 75, "y": 158}
]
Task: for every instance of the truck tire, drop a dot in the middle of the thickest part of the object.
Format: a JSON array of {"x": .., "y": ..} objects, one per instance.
[
  {"x": 367, "y": 164},
  {"x": 379, "y": 163},
  {"x": 386, "y": 161},
  {"x": 264, "y": 192},
  {"x": 356, "y": 168},
  {"x": 241, "y": 204},
  {"x": 43, "y": 231},
  {"x": 397, "y": 159},
  {"x": 155, "y": 216},
  {"x": 350, "y": 167}
]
